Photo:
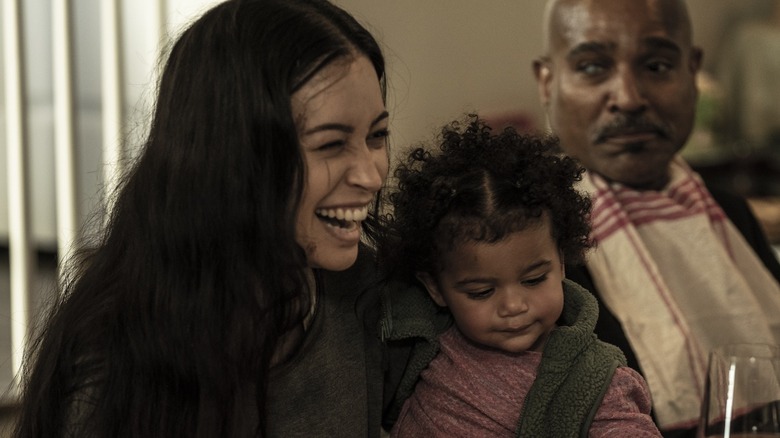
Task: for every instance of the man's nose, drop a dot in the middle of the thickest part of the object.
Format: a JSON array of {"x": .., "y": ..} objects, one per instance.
[{"x": 627, "y": 94}]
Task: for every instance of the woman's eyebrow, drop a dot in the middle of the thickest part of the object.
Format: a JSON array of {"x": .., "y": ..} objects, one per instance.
[{"x": 342, "y": 127}]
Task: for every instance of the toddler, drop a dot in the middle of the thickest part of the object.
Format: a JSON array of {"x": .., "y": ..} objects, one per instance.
[{"x": 485, "y": 223}]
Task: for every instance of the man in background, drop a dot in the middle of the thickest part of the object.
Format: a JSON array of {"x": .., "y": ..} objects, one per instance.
[{"x": 678, "y": 269}]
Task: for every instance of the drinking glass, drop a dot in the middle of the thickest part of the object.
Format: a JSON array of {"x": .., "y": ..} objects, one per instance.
[{"x": 742, "y": 392}]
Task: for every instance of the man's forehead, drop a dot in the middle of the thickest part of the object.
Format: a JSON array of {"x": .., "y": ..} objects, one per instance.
[{"x": 572, "y": 22}]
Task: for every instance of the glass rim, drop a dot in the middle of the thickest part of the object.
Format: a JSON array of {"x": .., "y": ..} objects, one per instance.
[{"x": 748, "y": 349}]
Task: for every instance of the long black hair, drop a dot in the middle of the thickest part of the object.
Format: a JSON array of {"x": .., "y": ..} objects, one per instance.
[{"x": 167, "y": 326}]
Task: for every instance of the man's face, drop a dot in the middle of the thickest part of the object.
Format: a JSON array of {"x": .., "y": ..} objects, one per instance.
[{"x": 619, "y": 86}]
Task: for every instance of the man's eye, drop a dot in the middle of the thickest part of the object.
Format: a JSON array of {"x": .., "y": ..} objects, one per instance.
[
  {"x": 591, "y": 68},
  {"x": 481, "y": 295},
  {"x": 659, "y": 66}
]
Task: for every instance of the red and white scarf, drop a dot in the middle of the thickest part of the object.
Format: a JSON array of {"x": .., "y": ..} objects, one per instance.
[{"x": 681, "y": 279}]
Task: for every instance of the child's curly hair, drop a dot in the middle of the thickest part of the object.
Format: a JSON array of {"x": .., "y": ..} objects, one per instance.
[{"x": 481, "y": 186}]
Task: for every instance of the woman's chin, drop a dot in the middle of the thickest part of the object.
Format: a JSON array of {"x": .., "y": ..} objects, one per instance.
[{"x": 334, "y": 260}]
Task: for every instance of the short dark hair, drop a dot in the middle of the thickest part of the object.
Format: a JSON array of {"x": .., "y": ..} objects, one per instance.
[{"x": 480, "y": 186}]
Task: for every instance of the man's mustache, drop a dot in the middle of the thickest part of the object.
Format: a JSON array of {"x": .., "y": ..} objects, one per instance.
[{"x": 623, "y": 125}]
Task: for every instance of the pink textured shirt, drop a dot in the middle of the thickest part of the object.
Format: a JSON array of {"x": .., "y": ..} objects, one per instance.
[{"x": 470, "y": 391}]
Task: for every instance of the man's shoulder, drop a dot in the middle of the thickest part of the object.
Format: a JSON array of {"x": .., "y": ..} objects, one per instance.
[
  {"x": 736, "y": 208},
  {"x": 728, "y": 200}
]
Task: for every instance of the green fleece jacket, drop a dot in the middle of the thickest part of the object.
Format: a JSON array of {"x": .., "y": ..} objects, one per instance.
[{"x": 574, "y": 374}]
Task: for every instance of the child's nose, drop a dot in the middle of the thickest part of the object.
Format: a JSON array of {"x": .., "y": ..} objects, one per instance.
[{"x": 513, "y": 302}]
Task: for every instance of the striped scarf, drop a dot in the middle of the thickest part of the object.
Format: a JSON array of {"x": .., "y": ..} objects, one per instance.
[{"x": 681, "y": 279}]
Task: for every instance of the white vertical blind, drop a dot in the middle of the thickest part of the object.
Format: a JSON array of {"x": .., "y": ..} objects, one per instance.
[
  {"x": 112, "y": 95},
  {"x": 19, "y": 120},
  {"x": 161, "y": 21},
  {"x": 64, "y": 144},
  {"x": 20, "y": 252}
]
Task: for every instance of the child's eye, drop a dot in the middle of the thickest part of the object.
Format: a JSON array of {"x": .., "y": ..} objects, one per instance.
[
  {"x": 536, "y": 280},
  {"x": 481, "y": 295}
]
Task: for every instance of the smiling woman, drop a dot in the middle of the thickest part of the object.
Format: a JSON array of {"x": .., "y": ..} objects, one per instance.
[
  {"x": 210, "y": 305},
  {"x": 343, "y": 123}
]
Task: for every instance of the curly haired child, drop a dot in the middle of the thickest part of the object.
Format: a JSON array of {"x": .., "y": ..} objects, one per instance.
[{"x": 484, "y": 223}]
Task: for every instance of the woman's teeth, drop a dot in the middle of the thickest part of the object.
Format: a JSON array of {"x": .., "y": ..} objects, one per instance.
[{"x": 343, "y": 216}]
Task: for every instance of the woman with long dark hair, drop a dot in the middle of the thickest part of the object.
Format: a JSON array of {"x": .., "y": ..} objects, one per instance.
[{"x": 227, "y": 294}]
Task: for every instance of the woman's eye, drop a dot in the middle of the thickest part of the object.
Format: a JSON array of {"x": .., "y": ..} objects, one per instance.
[
  {"x": 536, "y": 280},
  {"x": 382, "y": 133},
  {"x": 378, "y": 139},
  {"x": 331, "y": 145},
  {"x": 481, "y": 295}
]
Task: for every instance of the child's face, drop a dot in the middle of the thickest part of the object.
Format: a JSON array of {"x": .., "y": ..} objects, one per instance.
[{"x": 506, "y": 295}]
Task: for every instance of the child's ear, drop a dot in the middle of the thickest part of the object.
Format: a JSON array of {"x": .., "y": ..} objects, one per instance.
[
  {"x": 433, "y": 288},
  {"x": 563, "y": 264}
]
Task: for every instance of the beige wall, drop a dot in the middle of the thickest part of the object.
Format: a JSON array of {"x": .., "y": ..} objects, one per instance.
[{"x": 447, "y": 57}]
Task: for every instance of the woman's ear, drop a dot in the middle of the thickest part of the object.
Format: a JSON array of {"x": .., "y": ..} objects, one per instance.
[{"x": 432, "y": 287}]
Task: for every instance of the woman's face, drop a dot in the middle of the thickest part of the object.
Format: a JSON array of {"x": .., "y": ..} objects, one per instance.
[{"x": 342, "y": 128}]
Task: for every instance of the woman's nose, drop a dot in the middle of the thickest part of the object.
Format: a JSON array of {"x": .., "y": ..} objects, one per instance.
[{"x": 369, "y": 169}]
